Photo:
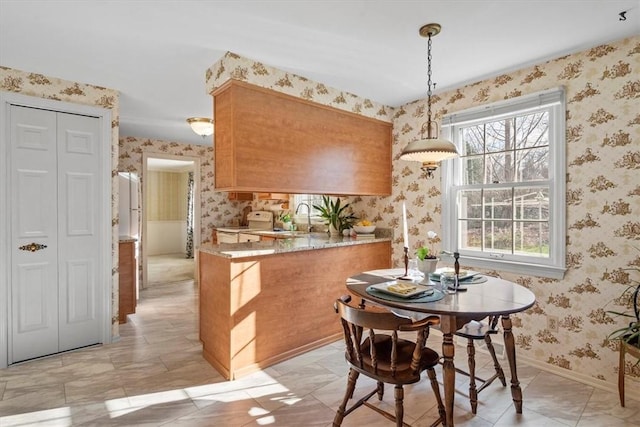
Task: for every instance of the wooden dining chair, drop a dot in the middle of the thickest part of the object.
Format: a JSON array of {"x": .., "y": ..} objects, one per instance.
[
  {"x": 625, "y": 348},
  {"x": 385, "y": 357},
  {"x": 474, "y": 331}
]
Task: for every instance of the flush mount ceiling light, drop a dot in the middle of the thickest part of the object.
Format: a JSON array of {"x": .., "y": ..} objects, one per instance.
[
  {"x": 430, "y": 150},
  {"x": 203, "y": 126}
]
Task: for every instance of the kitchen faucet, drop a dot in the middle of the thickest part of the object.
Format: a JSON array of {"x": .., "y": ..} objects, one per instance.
[{"x": 309, "y": 226}]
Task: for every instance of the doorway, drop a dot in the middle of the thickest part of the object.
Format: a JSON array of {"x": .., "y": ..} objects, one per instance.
[{"x": 171, "y": 218}]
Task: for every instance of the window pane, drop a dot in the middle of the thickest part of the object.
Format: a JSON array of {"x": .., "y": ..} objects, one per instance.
[
  {"x": 532, "y": 203},
  {"x": 532, "y": 130},
  {"x": 532, "y": 239},
  {"x": 497, "y": 204},
  {"x": 471, "y": 204},
  {"x": 533, "y": 164},
  {"x": 473, "y": 140},
  {"x": 500, "y": 168},
  {"x": 498, "y": 236},
  {"x": 473, "y": 170},
  {"x": 470, "y": 233},
  {"x": 499, "y": 136}
]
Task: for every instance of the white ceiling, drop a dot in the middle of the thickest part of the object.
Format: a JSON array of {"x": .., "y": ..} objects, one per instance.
[{"x": 156, "y": 52}]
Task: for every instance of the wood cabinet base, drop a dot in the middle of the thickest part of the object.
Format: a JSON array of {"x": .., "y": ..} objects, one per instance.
[
  {"x": 258, "y": 311},
  {"x": 127, "y": 269}
]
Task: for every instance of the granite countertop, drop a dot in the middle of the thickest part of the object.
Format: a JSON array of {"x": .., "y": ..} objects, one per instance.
[
  {"x": 127, "y": 239},
  {"x": 302, "y": 242}
]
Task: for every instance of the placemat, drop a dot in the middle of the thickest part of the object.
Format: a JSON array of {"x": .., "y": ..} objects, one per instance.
[{"x": 436, "y": 296}]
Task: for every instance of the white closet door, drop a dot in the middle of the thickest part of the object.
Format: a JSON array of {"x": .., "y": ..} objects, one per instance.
[
  {"x": 34, "y": 220},
  {"x": 79, "y": 199},
  {"x": 56, "y": 302}
]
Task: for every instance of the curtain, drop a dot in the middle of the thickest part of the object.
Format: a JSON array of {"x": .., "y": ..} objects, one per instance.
[{"x": 189, "y": 248}]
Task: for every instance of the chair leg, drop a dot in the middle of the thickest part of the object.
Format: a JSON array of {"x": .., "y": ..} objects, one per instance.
[
  {"x": 351, "y": 385},
  {"x": 473, "y": 391},
  {"x": 436, "y": 391},
  {"x": 621, "y": 375},
  {"x": 380, "y": 390},
  {"x": 399, "y": 395},
  {"x": 496, "y": 364}
]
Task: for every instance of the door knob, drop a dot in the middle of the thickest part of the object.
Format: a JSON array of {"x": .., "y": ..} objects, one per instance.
[{"x": 32, "y": 247}]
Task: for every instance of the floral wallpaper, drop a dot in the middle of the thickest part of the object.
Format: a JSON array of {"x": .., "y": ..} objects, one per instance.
[
  {"x": 42, "y": 86},
  {"x": 236, "y": 67},
  {"x": 603, "y": 194}
]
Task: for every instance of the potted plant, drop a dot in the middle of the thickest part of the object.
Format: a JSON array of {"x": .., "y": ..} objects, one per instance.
[
  {"x": 285, "y": 219},
  {"x": 335, "y": 214},
  {"x": 628, "y": 337},
  {"x": 629, "y": 334},
  {"x": 427, "y": 260}
]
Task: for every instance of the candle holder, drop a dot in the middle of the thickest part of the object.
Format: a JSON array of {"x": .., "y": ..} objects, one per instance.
[
  {"x": 456, "y": 268},
  {"x": 406, "y": 266}
]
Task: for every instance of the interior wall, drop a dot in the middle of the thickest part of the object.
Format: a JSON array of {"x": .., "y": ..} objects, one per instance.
[
  {"x": 166, "y": 205},
  {"x": 34, "y": 84}
]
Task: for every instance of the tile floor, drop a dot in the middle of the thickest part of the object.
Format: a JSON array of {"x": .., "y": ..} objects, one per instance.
[
  {"x": 169, "y": 268},
  {"x": 155, "y": 376}
]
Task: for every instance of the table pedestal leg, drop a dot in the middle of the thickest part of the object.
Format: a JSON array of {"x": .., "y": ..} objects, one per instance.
[
  {"x": 449, "y": 373},
  {"x": 510, "y": 348}
]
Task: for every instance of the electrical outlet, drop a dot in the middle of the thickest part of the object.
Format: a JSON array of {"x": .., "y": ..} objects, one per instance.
[{"x": 552, "y": 323}]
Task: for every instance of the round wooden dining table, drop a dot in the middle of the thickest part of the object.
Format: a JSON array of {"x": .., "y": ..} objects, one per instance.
[{"x": 491, "y": 297}]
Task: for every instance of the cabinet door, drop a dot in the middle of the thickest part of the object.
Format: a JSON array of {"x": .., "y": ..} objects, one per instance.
[
  {"x": 269, "y": 141},
  {"x": 127, "y": 271}
]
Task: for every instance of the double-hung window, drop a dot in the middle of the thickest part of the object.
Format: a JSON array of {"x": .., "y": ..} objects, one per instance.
[{"x": 504, "y": 197}]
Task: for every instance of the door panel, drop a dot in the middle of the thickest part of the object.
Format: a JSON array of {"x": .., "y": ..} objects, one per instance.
[
  {"x": 34, "y": 185},
  {"x": 34, "y": 284},
  {"x": 80, "y": 282},
  {"x": 78, "y": 238},
  {"x": 80, "y": 207}
]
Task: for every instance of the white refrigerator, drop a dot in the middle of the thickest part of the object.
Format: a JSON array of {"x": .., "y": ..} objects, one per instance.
[{"x": 129, "y": 213}]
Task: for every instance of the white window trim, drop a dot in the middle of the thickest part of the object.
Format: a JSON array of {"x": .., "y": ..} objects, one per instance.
[{"x": 554, "y": 266}]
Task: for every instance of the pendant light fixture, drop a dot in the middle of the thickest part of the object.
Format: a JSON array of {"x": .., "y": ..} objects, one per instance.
[
  {"x": 203, "y": 126},
  {"x": 430, "y": 150}
]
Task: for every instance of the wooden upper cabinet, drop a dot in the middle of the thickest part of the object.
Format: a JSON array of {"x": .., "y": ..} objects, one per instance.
[{"x": 267, "y": 141}]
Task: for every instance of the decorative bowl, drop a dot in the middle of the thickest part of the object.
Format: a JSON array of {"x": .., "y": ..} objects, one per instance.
[{"x": 364, "y": 229}]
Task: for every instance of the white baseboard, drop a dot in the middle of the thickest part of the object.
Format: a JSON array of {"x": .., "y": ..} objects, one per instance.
[{"x": 631, "y": 390}]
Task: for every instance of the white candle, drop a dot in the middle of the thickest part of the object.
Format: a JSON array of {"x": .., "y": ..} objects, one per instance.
[{"x": 405, "y": 227}]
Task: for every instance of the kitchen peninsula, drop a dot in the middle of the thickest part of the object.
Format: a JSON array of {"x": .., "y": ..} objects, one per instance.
[{"x": 265, "y": 302}]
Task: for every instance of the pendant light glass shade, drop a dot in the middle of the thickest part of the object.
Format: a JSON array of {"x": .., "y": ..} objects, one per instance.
[
  {"x": 203, "y": 126},
  {"x": 430, "y": 150}
]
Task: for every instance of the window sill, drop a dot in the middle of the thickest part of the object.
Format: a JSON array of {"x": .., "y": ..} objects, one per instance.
[{"x": 525, "y": 269}]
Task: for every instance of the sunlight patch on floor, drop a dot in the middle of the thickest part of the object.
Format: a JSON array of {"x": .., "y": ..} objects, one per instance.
[{"x": 55, "y": 416}]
